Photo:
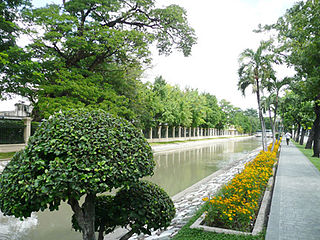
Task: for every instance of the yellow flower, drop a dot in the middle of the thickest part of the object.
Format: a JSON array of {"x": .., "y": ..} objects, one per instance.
[{"x": 205, "y": 199}]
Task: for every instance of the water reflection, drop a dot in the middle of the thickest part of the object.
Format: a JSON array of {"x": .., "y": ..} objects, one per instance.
[
  {"x": 12, "y": 228},
  {"x": 175, "y": 171}
]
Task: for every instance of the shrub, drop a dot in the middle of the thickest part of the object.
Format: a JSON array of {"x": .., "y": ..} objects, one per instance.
[
  {"x": 146, "y": 207},
  {"x": 11, "y": 131},
  {"x": 34, "y": 127},
  {"x": 143, "y": 207},
  {"x": 237, "y": 204},
  {"x": 74, "y": 154},
  {"x": 107, "y": 216}
]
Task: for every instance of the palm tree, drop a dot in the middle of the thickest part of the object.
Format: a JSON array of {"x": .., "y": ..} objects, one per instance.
[
  {"x": 255, "y": 69},
  {"x": 272, "y": 101}
]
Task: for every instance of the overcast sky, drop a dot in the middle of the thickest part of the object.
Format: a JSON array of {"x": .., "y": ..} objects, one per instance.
[{"x": 224, "y": 30}]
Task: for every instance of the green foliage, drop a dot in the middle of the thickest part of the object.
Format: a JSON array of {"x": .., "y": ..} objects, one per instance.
[
  {"x": 143, "y": 207},
  {"x": 9, "y": 10},
  {"x": 146, "y": 207},
  {"x": 256, "y": 70},
  {"x": 12, "y": 131},
  {"x": 213, "y": 111},
  {"x": 298, "y": 37},
  {"x": 34, "y": 127},
  {"x": 72, "y": 154},
  {"x": 107, "y": 215},
  {"x": 295, "y": 110},
  {"x": 196, "y": 234},
  {"x": 298, "y": 34},
  {"x": 175, "y": 107},
  {"x": 91, "y": 53}
]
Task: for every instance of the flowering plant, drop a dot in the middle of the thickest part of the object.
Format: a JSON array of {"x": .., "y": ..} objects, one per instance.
[{"x": 237, "y": 204}]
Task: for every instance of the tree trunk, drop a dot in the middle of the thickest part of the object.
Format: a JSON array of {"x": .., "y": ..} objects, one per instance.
[
  {"x": 272, "y": 129},
  {"x": 298, "y": 133},
  {"x": 310, "y": 139},
  {"x": 302, "y": 135},
  {"x": 274, "y": 121},
  {"x": 127, "y": 235},
  {"x": 85, "y": 216},
  {"x": 316, "y": 145},
  {"x": 101, "y": 232},
  {"x": 263, "y": 128}
]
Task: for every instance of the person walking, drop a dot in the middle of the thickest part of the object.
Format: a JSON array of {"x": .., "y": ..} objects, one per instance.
[{"x": 288, "y": 136}]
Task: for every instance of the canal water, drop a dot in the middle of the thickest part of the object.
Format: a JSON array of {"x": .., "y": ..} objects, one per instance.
[{"x": 175, "y": 171}]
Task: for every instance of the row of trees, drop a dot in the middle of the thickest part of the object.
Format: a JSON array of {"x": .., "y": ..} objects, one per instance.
[
  {"x": 170, "y": 105},
  {"x": 92, "y": 53},
  {"x": 296, "y": 44}
]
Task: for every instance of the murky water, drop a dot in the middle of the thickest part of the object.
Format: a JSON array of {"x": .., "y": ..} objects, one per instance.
[{"x": 175, "y": 171}]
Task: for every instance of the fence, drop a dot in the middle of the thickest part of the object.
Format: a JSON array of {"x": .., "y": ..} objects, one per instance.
[{"x": 171, "y": 133}]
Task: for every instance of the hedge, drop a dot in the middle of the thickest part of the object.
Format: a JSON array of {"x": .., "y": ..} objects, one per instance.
[{"x": 11, "y": 131}]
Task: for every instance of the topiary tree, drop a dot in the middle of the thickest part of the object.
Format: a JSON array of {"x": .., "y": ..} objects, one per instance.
[
  {"x": 146, "y": 207},
  {"x": 107, "y": 216},
  {"x": 143, "y": 207},
  {"x": 74, "y": 154}
]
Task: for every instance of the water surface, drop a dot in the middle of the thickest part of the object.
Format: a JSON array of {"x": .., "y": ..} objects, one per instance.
[{"x": 174, "y": 171}]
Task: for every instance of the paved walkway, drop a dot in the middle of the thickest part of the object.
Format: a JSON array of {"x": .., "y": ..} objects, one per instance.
[{"x": 295, "y": 207}]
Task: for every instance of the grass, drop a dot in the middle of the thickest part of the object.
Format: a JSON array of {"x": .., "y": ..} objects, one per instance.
[
  {"x": 308, "y": 153},
  {"x": 6, "y": 155},
  {"x": 186, "y": 233},
  {"x": 193, "y": 140}
]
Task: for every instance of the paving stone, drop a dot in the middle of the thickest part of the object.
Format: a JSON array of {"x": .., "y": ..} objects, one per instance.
[{"x": 295, "y": 207}]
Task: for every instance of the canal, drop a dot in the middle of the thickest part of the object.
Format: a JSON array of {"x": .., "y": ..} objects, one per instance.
[{"x": 175, "y": 171}]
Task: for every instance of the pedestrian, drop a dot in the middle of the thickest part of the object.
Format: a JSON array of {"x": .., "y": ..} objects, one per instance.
[{"x": 288, "y": 136}]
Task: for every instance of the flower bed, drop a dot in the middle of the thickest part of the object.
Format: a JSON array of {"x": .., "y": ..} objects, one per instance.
[{"x": 237, "y": 204}]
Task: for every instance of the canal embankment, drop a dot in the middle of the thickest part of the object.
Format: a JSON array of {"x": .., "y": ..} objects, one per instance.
[
  {"x": 172, "y": 146},
  {"x": 199, "y": 168},
  {"x": 188, "y": 201}
]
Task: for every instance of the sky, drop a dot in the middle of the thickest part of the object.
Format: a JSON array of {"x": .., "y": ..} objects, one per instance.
[{"x": 224, "y": 29}]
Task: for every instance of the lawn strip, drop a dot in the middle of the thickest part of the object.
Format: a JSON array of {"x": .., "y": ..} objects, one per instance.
[
  {"x": 6, "y": 155},
  {"x": 308, "y": 153}
]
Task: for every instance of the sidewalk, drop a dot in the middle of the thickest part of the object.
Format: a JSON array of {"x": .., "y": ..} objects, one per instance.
[{"x": 295, "y": 207}]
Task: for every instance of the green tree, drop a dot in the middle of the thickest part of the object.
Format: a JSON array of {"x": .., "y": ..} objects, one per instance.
[
  {"x": 10, "y": 11},
  {"x": 298, "y": 35},
  {"x": 253, "y": 119},
  {"x": 272, "y": 101},
  {"x": 74, "y": 154},
  {"x": 198, "y": 107},
  {"x": 298, "y": 111},
  {"x": 255, "y": 69},
  {"x": 9, "y": 30},
  {"x": 143, "y": 207},
  {"x": 213, "y": 111},
  {"x": 90, "y": 53}
]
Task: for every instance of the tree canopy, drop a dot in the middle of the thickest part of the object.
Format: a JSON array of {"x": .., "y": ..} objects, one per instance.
[
  {"x": 91, "y": 53},
  {"x": 74, "y": 154},
  {"x": 298, "y": 38}
]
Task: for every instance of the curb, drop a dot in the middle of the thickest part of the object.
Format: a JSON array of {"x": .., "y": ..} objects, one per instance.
[{"x": 260, "y": 220}]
